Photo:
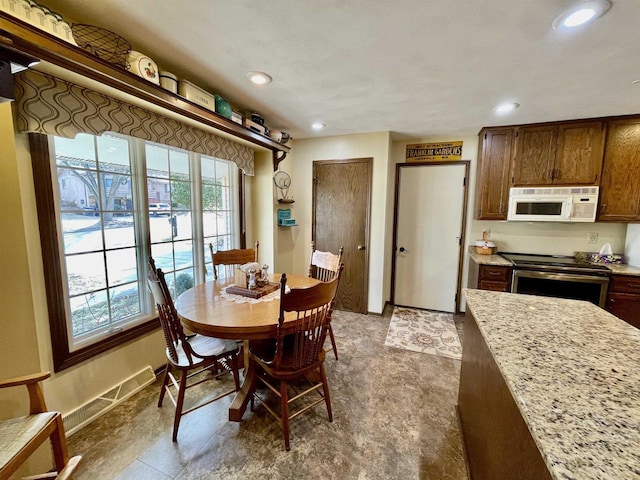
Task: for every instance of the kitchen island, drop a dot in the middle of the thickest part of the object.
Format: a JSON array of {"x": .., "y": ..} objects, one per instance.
[{"x": 549, "y": 388}]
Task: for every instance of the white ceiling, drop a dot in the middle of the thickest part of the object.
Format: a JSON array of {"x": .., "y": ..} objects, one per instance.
[{"x": 417, "y": 68}]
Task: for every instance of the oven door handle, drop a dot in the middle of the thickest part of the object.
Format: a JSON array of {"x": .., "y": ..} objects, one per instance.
[{"x": 562, "y": 276}]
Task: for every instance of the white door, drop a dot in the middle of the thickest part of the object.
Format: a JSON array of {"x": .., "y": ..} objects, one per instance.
[{"x": 429, "y": 227}]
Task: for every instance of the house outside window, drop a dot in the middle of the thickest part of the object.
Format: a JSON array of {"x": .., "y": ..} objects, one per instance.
[{"x": 118, "y": 199}]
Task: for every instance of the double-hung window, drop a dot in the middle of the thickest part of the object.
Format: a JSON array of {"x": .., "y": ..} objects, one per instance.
[{"x": 119, "y": 200}]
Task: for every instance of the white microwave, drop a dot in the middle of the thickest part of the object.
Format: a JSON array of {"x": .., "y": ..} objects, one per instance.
[{"x": 553, "y": 204}]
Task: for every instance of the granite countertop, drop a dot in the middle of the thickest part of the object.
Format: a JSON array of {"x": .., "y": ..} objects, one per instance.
[
  {"x": 488, "y": 259},
  {"x": 574, "y": 372},
  {"x": 622, "y": 269}
]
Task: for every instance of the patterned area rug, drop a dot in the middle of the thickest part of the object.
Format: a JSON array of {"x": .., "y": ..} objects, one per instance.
[{"x": 424, "y": 331}]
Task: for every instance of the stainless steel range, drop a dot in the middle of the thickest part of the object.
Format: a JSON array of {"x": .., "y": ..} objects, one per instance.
[{"x": 559, "y": 276}]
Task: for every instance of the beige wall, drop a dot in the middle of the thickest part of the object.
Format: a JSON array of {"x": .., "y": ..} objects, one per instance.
[
  {"x": 18, "y": 341},
  {"x": 295, "y": 243},
  {"x": 260, "y": 212}
]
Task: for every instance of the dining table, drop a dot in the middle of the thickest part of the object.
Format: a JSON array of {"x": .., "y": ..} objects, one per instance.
[{"x": 208, "y": 309}]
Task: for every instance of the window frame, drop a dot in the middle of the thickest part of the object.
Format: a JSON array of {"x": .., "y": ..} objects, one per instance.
[{"x": 53, "y": 269}]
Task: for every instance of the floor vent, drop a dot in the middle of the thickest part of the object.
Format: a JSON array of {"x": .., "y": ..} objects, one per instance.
[{"x": 87, "y": 413}]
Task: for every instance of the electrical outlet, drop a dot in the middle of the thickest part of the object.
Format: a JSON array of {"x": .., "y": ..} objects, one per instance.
[{"x": 592, "y": 237}]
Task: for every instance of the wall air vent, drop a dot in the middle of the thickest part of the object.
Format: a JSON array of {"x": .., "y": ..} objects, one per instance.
[{"x": 87, "y": 413}]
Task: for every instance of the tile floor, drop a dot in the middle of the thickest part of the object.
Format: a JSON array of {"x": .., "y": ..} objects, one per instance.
[{"x": 394, "y": 418}]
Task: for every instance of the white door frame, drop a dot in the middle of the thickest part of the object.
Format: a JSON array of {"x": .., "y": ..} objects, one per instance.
[{"x": 394, "y": 247}]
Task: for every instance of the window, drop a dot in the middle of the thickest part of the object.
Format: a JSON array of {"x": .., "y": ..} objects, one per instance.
[
  {"x": 117, "y": 199},
  {"x": 217, "y": 207}
]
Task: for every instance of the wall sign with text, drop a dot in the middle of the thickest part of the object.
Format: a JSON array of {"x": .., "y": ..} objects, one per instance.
[{"x": 424, "y": 152}]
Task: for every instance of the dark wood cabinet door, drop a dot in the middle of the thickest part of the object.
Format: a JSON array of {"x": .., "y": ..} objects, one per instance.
[
  {"x": 579, "y": 153},
  {"x": 620, "y": 185},
  {"x": 625, "y": 306},
  {"x": 535, "y": 155},
  {"x": 492, "y": 187}
]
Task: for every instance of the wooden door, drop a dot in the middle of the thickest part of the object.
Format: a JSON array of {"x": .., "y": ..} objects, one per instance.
[
  {"x": 535, "y": 155},
  {"x": 429, "y": 227},
  {"x": 492, "y": 186},
  {"x": 341, "y": 212},
  {"x": 620, "y": 186},
  {"x": 579, "y": 153}
]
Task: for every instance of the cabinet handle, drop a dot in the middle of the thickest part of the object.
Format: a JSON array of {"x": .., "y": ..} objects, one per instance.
[
  {"x": 557, "y": 174},
  {"x": 633, "y": 285},
  {"x": 602, "y": 207},
  {"x": 495, "y": 273}
]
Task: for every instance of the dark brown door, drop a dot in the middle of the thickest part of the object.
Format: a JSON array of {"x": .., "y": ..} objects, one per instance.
[{"x": 341, "y": 212}]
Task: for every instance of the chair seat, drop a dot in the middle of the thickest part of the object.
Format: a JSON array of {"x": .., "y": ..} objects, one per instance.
[
  {"x": 205, "y": 347},
  {"x": 16, "y": 433}
]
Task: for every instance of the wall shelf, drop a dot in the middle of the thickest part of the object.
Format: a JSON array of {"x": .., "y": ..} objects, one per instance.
[{"x": 54, "y": 51}]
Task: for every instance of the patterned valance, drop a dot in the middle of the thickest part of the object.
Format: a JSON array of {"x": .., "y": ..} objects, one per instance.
[{"x": 52, "y": 106}]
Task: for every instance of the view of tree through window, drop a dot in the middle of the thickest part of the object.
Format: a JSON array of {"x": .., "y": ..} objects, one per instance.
[
  {"x": 168, "y": 183},
  {"x": 96, "y": 207},
  {"x": 217, "y": 210},
  {"x": 114, "y": 209}
]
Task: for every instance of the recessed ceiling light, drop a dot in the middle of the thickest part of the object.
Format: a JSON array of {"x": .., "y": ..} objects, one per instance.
[
  {"x": 582, "y": 13},
  {"x": 318, "y": 126},
  {"x": 259, "y": 78},
  {"x": 506, "y": 107}
]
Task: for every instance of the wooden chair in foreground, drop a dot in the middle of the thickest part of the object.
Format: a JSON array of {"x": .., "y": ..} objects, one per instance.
[
  {"x": 299, "y": 351},
  {"x": 208, "y": 356},
  {"x": 324, "y": 266},
  {"x": 232, "y": 258},
  {"x": 20, "y": 437}
]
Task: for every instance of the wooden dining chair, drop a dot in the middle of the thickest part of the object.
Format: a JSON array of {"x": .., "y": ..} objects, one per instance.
[
  {"x": 20, "y": 437},
  {"x": 232, "y": 258},
  {"x": 298, "y": 352},
  {"x": 324, "y": 266},
  {"x": 194, "y": 353}
]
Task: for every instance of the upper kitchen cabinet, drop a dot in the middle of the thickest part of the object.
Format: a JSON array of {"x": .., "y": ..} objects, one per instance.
[
  {"x": 559, "y": 154},
  {"x": 492, "y": 181},
  {"x": 535, "y": 155},
  {"x": 620, "y": 186}
]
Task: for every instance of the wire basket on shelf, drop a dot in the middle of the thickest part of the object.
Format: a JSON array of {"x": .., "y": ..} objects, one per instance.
[{"x": 102, "y": 43}]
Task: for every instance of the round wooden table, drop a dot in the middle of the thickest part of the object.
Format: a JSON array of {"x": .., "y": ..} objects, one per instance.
[{"x": 205, "y": 311}]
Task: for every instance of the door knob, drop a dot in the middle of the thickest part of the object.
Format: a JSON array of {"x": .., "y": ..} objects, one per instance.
[
  {"x": 402, "y": 249},
  {"x": 361, "y": 247}
]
